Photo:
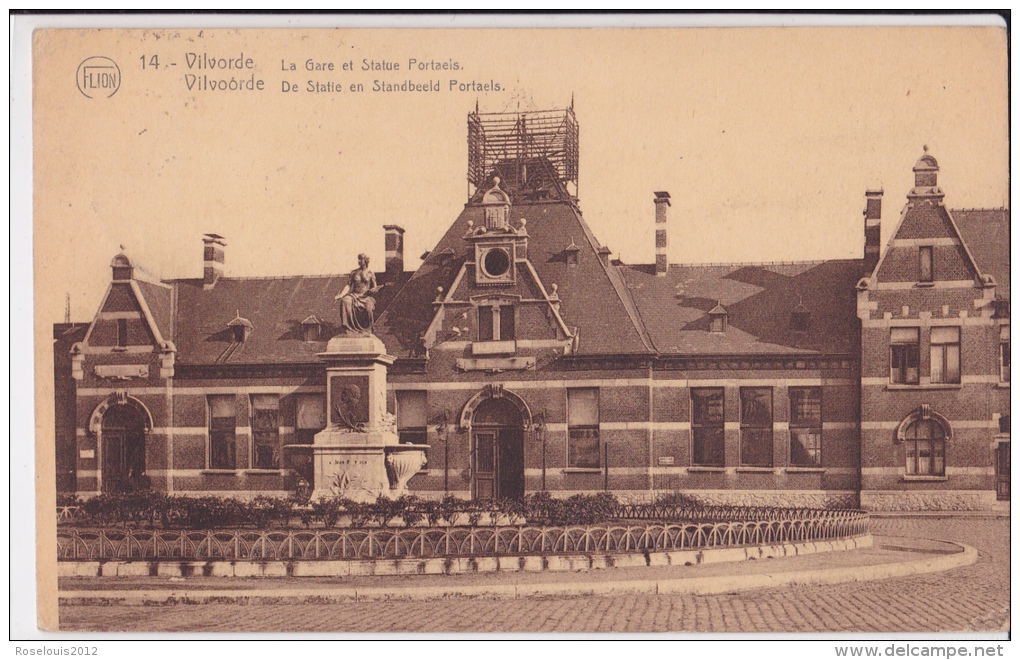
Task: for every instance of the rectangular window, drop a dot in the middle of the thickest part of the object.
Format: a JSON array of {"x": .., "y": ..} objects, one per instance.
[
  {"x": 806, "y": 426},
  {"x": 927, "y": 270},
  {"x": 708, "y": 427},
  {"x": 496, "y": 323},
  {"x": 945, "y": 354},
  {"x": 412, "y": 417},
  {"x": 311, "y": 417},
  {"x": 485, "y": 332},
  {"x": 265, "y": 431},
  {"x": 1004, "y": 354},
  {"x": 583, "y": 449},
  {"x": 222, "y": 432},
  {"x": 122, "y": 333},
  {"x": 904, "y": 356},
  {"x": 756, "y": 426},
  {"x": 507, "y": 323}
]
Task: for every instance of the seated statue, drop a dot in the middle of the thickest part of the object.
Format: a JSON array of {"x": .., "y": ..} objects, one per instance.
[{"x": 357, "y": 306}]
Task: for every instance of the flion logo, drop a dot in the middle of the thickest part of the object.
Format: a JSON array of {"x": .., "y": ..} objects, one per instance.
[{"x": 98, "y": 77}]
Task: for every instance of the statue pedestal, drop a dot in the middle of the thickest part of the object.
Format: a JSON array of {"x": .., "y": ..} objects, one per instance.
[{"x": 358, "y": 455}]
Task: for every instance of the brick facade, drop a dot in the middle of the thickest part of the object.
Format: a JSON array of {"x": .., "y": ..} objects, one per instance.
[{"x": 527, "y": 347}]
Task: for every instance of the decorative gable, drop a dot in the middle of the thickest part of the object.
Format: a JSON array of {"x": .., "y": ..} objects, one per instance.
[{"x": 927, "y": 247}]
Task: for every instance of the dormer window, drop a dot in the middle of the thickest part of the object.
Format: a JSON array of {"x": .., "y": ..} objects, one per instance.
[
  {"x": 572, "y": 253},
  {"x": 241, "y": 328},
  {"x": 311, "y": 328},
  {"x": 718, "y": 318},
  {"x": 800, "y": 318}
]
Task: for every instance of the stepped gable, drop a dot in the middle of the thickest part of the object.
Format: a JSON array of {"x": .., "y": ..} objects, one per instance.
[
  {"x": 275, "y": 306},
  {"x": 592, "y": 297},
  {"x": 986, "y": 234},
  {"x": 759, "y": 300}
]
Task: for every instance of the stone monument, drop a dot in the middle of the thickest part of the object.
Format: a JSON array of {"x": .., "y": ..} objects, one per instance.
[{"x": 359, "y": 455}]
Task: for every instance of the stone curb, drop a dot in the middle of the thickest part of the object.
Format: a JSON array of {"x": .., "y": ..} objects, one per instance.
[
  {"x": 450, "y": 566},
  {"x": 940, "y": 514},
  {"x": 705, "y": 585}
]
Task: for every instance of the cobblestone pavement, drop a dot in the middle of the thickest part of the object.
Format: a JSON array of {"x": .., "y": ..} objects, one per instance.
[{"x": 971, "y": 598}]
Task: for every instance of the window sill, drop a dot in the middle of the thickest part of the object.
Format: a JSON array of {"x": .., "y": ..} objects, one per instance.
[
  {"x": 119, "y": 349},
  {"x": 755, "y": 469},
  {"x": 582, "y": 471},
  {"x": 706, "y": 468},
  {"x": 921, "y": 477},
  {"x": 225, "y": 472},
  {"x": 930, "y": 386},
  {"x": 259, "y": 471},
  {"x": 925, "y": 285},
  {"x": 805, "y": 470}
]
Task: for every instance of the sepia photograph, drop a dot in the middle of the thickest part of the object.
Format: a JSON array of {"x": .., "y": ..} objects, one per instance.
[{"x": 677, "y": 330}]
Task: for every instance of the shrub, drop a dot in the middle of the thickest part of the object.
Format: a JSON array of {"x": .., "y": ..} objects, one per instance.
[
  {"x": 383, "y": 510},
  {"x": 410, "y": 510},
  {"x": 262, "y": 511},
  {"x": 449, "y": 507},
  {"x": 327, "y": 510},
  {"x": 430, "y": 509},
  {"x": 678, "y": 499}
]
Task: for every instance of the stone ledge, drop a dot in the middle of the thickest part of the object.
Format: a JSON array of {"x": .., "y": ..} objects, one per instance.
[
  {"x": 451, "y": 565},
  {"x": 696, "y": 585}
]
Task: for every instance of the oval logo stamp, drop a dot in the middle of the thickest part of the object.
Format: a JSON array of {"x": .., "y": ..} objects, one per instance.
[{"x": 98, "y": 77}]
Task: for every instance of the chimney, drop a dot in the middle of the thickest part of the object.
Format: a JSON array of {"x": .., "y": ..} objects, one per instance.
[
  {"x": 872, "y": 230},
  {"x": 212, "y": 258},
  {"x": 661, "y": 254},
  {"x": 394, "y": 251}
]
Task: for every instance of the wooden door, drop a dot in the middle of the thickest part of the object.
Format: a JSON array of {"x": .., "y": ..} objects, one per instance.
[{"x": 483, "y": 465}]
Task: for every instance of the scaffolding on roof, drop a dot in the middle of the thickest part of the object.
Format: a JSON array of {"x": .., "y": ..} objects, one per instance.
[{"x": 529, "y": 151}]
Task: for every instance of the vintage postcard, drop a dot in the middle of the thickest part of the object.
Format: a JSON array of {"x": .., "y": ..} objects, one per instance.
[{"x": 689, "y": 330}]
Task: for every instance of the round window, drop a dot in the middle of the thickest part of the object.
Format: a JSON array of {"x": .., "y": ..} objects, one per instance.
[{"x": 496, "y": 262}]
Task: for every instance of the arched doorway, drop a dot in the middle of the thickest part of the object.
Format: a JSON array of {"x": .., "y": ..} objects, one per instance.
[
  {"x": 123, "y": 449},
  {"x": 497, "y": 450}
]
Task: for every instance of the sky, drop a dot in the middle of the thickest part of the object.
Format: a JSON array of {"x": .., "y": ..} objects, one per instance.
[{"x": 766, "y": 140}]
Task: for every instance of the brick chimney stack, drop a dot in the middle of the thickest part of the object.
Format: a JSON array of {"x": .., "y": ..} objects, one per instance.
[
  {"x": 872, "y": 230},
  {"x": 212, "y": 259},
  {"x": 661, "y": 252},
  {"x": 394, "y": 251}
]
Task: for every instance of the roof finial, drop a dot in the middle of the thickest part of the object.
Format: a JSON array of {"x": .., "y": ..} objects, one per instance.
[
  {"x": 925, "y": 148},
  {"x": 476, "y": 105},
  {"x": 122, "y": 247},
  {"x": 571, "y": 100}
]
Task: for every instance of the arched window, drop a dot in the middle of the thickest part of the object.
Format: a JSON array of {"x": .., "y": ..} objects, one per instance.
[{"x": 925, "y": 444}]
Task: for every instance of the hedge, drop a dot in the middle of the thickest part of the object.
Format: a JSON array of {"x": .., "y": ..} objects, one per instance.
[{"x": 157, "y": 510}]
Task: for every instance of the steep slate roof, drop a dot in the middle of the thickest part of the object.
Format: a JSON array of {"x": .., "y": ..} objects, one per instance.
[
  {"x": 758, "y": 298},
  {"x": 986, "y": 233},
  {"x": 276, "y": 306},
  {"x": 159, "y": 299},
  {"x": 593, "y": 295}
]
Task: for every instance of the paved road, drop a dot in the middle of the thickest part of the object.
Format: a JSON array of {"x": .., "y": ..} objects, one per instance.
[{"x": 973, "y": 597}]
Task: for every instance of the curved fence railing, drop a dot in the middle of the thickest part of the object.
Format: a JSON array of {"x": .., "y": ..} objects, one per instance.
[
  {"x": 443, "y": 542},
  {"x": 704, "y": 513}
]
